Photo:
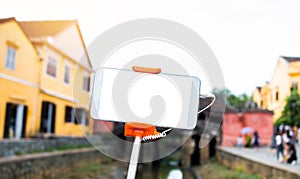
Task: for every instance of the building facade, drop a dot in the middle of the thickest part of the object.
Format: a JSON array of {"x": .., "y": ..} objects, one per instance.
[
  {"x": 273, "y": 94},
  {"x": 44, "y": 79}
]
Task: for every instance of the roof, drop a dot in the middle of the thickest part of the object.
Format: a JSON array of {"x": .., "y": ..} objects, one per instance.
[
  {"x": 10, "y": 19},
  {"x": 291, "y": 59},
  {"x": 7, "y": 20},
  {"x": 50, "y": 28},
  {"x": 230, "y": 109},
  {"x": 251, "y": 106},
  {"x": 45, "y": 28}
]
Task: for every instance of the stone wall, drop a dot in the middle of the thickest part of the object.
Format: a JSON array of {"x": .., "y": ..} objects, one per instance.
[
  {"x": 47, "y": 165},
  {"x": 246, "y": 165},
  {"x": 234, "y": 122},
  {"x": 23, "y": 146},
  {"x": 187, "y": 153}
]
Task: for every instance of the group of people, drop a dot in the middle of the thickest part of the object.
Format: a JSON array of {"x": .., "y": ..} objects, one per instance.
[
  {"x": 250, "y": 140},
  {"x": 283, "y": 142}
]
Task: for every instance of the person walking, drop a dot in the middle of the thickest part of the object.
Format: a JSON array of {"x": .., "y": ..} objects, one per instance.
[
  {"x": 286, "y": 137},
  {"x": 256, "y": 140},
  {"x": 240, "y": 141},
  {"x": 273, "y": 144},
  {"x": 295, "y": 129},
  {"x": 279, "y": 147},
  {"x": 291, "y": 154}
]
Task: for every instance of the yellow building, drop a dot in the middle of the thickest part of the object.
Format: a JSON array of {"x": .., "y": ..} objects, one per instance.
[
  {"x": 273, "y": 94},
  {"x": 39, "y": 61}
]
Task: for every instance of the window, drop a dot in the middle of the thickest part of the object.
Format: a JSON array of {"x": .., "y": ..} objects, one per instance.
[
  {"x": 86, "y": 82},
  {"x": 67, "y": 74},
  {"x": 10, "y": 58},
  {"x": 81, "y": 116},
  {"x": 277, "y": 96},
  {"x": 294, "y": 86},
  {"x": 51, "y": 66},
  {"x": 69, "y": 114}
]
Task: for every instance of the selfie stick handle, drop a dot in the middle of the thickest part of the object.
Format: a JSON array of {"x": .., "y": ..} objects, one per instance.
[
  {"x": 134, "y": 158},
  {"x": 138, "y": 131}
]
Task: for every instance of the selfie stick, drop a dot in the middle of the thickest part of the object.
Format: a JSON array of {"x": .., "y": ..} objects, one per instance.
[{"x": 138, "y": 130}]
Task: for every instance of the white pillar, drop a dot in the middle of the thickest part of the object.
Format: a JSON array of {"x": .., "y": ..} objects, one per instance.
[
  {"x": 83, "y": 117},
  {"x": 49, "y": 120},
  {"x": 72, "y": 115},
  {"x": 19, "y": 121}
]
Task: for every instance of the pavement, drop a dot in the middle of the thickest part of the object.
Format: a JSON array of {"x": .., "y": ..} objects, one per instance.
[{"x": 265, "y": 156}]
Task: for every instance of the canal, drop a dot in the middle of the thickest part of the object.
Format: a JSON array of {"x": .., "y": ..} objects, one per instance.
[{"x": 166, "y": 168}]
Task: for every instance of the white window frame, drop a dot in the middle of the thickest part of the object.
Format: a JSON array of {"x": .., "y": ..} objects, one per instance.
[
  {"x": 84, "y": 86},
  {"x": 10, "y": 60},
  {"x": 82, "y": 116},
  {"x": 67, "y": 65},
  {"x": 48, "y": 59},
  {"x": 294, "y": 84}
]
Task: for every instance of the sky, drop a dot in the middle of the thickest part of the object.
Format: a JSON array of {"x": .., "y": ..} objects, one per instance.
[{"x": 246, "y": 36}]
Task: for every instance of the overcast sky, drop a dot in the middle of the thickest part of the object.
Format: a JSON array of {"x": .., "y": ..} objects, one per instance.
[{"x": 247, "y": 37}]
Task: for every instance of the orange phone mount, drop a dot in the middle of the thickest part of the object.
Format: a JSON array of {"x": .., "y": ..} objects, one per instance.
[{"x": 134, "y": 129}]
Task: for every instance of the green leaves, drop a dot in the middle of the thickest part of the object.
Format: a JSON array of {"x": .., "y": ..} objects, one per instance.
[
  {"x": 236, "y": 101},
  {"x": 291, "y": 112}
]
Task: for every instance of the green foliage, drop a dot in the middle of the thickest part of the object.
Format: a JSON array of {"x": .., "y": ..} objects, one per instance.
[
  {"x": 18, "y": 153},
  {"x": 89, "y": 170},
  {"x": 248, "y": 141},
  {"x": 239, "y": 169},
  {"x": 214, "y": 170},
  {"x": 236, "y": 101},
  {"x": 291, "y": 112}
]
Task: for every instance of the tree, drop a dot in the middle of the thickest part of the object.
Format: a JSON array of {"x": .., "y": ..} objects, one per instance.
[
  {"x": 237, "y": 101},
  {"x": 291, "y": 112},
  {"x": 233, "y": 100}
]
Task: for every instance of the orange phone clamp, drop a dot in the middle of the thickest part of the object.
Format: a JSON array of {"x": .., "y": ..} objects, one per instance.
[{"x": 134, "y": 129}]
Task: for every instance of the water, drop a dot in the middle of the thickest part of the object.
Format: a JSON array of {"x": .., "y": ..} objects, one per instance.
[
  {"x": 165, "y": 172},
  {"x": 167, "y": 168}
]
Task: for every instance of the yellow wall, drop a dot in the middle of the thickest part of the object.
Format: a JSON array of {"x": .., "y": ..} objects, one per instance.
[
  {"x": 28, "y": 83},
  {"x": 256, "y": 97},
  {"x": 58, "y": 86},
  {"x": 63, "y": 128},
  {"x": 281, "y": 83},
  {"x": 264, "y": 96},
  {"x": 27, "y": 60},
  {"x": 284, "y": 75},
  {"x": 79, "y": 93},
  {"x": 18, "y": 86},
  {"x": 16, "y": 93}
]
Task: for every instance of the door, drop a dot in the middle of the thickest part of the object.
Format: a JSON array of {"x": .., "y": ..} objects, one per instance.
[
  {"x": 48, "y": 117},
  {"x": 15, "y": 121}
]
